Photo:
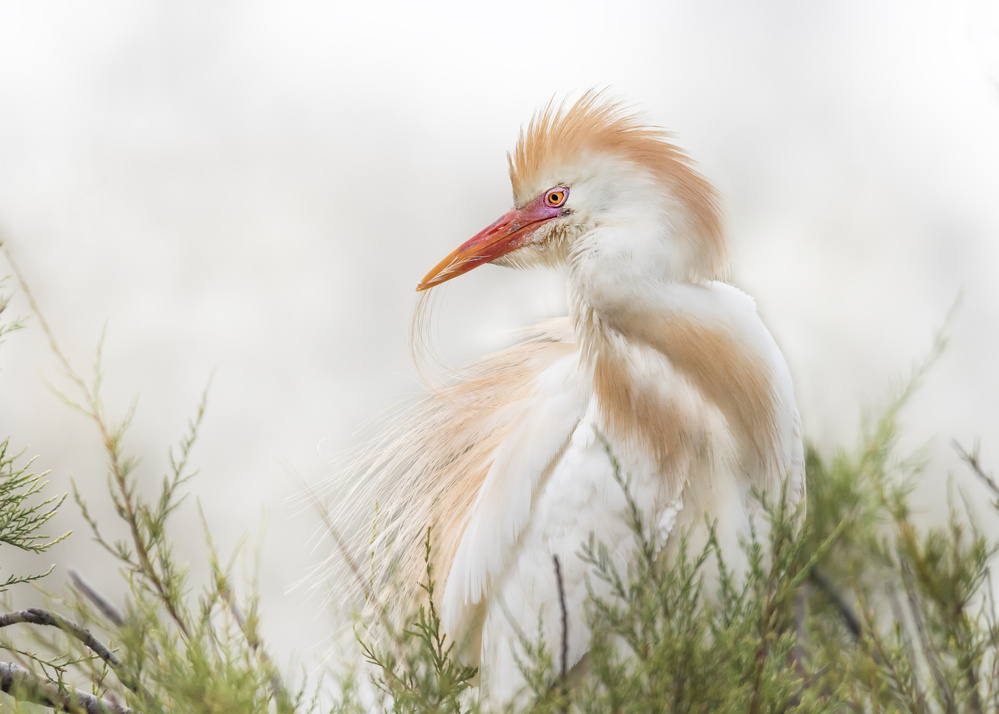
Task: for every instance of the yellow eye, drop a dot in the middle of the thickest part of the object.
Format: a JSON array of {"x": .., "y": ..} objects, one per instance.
[{"x": 556, "y": 196}]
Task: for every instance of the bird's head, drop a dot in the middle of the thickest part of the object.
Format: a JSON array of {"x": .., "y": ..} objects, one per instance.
[{"x": 591, "y": 177}]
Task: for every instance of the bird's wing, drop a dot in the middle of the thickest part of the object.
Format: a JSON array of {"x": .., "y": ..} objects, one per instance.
[
  {"x": 563, "y": 477},
  {"x": 427, "y": 467},
  {"x": 497, "y": 518}
]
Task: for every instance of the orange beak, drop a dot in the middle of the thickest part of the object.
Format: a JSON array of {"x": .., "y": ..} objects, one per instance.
[{"x": 511, "y": 231}]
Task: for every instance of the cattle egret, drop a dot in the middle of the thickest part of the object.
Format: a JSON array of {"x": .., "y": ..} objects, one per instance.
[{"x": 658, "y": 363}]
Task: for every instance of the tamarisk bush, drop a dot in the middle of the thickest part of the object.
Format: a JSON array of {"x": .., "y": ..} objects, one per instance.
[{"x": 856, "y": 608}]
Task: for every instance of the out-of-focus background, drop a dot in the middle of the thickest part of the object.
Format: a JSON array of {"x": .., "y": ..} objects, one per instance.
[{"x": 256, "y": 187}]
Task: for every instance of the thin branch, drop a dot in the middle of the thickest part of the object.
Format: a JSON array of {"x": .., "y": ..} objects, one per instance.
[
  {"x": 256, "y": 644},
  {"x": 929, "y": 652},
  {"x": 99, "y": 601},
  {"x": 911, "y": 691},
  {"x": 119, "y": 467},
  {"x": 972, "y": 459},
  {"x": 67, "y": 368},
  {"x": 799, "y": 654},
  {"x": 25, "y": 685},
  {"x": 37, "y": 616},
  {"x": 841, "y": 605},
  {"x": 974, "y": 696},
  {"x": 565, "y": 626}
]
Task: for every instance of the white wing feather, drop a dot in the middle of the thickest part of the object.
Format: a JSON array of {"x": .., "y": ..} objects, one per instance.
[{"x": 503, "y": 505}]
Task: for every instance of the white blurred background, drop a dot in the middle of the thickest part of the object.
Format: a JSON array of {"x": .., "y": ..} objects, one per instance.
[{"x": 256, "y": 187}]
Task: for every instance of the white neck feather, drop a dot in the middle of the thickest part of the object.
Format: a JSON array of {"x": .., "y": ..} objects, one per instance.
[
  {"x": 620, "y": 269},
  {"x": 709, "y": 331}
]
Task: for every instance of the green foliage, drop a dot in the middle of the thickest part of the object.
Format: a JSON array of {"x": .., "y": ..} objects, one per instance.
[
  {"x": 179, "y": 651},
  {"x": 661, "y": 643},
  {"x": 23, "y": 514},
  {"x": 925, "y": 636},
  {"x": 418, "y": 672},
  {"x": 855, "y": 609},
  {"x": 174, "y": 650},
  {"x": 858, "y": 609}
]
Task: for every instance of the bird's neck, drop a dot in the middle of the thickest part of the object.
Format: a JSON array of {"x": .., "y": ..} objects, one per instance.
[{"x": 708, "y": 332}]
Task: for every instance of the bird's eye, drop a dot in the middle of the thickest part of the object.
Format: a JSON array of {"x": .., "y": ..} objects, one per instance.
[{"x": 556, "y": 196}]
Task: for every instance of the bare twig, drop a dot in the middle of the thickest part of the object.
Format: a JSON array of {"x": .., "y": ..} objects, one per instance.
[
  {"x": 841, "y": 605},
  {"x": 799, "y": 652},
  {"x": 929, "y": 652},
  {"x": 974, "y": 696},
  {"x": 25, "y": 685},
  {"x": 972, "y": 459},
  {"x": 564, "y": 661},
  {"x": 766, "y": 624},
  {"x": 99, "y": 601},
  {"x": 37, "y": 616}
]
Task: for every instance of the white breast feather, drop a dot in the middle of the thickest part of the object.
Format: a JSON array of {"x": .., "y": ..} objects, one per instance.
[{"x": 552, "y": 485}]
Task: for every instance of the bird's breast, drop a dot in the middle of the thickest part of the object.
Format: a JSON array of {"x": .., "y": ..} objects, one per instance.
[{"x": 567, "y": 475}]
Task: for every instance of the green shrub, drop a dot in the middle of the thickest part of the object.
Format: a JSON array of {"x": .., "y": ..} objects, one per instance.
[{"x": 857, "y": 610}]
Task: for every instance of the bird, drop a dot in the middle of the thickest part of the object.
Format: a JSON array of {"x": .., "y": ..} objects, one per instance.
[{"x": 661, "y": 370}]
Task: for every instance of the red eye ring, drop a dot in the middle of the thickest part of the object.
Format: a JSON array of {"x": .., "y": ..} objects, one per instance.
[{"x": 557, "y": 196}]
